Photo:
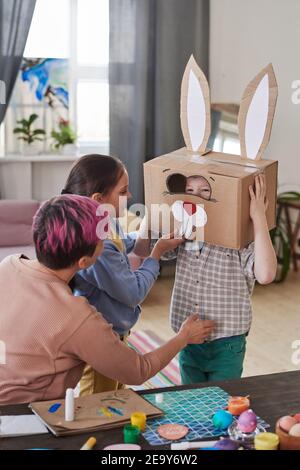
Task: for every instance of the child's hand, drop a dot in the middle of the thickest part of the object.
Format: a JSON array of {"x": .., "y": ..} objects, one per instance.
[
  {"x": 166, "y": 243},
  {"x": 259, "y": 202},
  {"x": 196, "y": 330},
  {"x": 265, "y": 264}
]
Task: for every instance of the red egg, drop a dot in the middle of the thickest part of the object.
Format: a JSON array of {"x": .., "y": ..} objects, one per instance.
[
  {"x": 287, "y": 422},
  {"x": 297, "y": 417}
]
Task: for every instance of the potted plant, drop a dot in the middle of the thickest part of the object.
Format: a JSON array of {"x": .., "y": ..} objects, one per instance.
[
  {"x": 280, "y": 238},
  {"x": 65, "y": 138},
  {"x": 28, "y": 134}
]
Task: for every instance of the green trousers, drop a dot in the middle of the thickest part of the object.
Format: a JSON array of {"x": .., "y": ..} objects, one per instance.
[{"x": 220, "y": 359}]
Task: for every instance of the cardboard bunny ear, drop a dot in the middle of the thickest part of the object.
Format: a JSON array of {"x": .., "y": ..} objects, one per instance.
[
  {"x": 256, "y": 113},
  {"x": 195, "y": 108}
]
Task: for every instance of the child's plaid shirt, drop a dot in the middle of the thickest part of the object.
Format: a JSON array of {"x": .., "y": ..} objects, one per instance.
[{"x": 217, "y": 283}]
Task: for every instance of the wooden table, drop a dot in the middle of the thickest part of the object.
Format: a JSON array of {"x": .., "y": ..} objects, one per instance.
[{"x": 272, "y": 396}]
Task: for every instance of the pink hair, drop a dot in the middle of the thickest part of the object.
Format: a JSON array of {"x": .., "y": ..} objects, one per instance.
[{"x": 67, "y": 223}]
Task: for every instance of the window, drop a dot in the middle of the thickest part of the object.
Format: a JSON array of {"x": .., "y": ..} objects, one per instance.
[
  {"x": 93, "y": 109},
  {"x": 77, "y": 31},
  {"x": 225, "y": 128},
  {"x": 49, "y": 34},
  {"x": 90, "y": 74},
  {"x": 93, "y": 32}
]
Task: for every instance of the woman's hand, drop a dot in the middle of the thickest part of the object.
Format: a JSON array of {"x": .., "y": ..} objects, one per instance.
[
  {"x": 196, "y": 330},
  {"x": 192, "y": 331}
]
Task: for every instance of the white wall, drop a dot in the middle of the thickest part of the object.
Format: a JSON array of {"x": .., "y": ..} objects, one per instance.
[
  {"x": 245, "y": 35},
  {"x": 37, "y": 177}
]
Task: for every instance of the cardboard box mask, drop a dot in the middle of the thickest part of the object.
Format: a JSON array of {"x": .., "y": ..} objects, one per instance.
[{"x": 206, "y": 192}]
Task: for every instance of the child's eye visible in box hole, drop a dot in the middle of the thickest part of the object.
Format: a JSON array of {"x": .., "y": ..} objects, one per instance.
[{"x": 196, "y": 185}]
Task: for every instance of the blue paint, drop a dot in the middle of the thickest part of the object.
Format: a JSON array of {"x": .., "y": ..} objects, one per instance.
[
  {"x": 54, "y": 408},
  {"x": 115, "y": 410}
]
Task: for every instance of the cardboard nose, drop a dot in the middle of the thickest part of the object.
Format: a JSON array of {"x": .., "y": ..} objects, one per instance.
[{"x": 190, "y": 208}]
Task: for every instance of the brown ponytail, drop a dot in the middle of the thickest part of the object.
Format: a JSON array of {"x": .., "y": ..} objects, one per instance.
[{"x": 94, "y": 174}]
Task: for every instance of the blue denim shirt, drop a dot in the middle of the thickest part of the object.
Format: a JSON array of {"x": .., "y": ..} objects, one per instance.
[{"x": 113, "y": 288}]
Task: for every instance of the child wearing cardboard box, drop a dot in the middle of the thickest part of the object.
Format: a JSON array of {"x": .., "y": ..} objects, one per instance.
[
  {"x": 230, "y": 247},
  {"x": 217, "y": 283}
]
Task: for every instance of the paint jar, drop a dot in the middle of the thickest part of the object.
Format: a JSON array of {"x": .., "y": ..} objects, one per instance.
[
  {"x": 266, "y": 441},
  {"x": 237, "y": 405},
  {"x": 131, "y": 434},
  {"x": 138, "y": 419}
]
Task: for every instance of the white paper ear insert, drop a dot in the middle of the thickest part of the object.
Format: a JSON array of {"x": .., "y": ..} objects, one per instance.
[
  {"x": 195, "y": 112},
  {"x": 195, "y": 108},
  {"x": 257, "y": 118},
  {"x": 256, "y": 113},
  {"x": 190, "y": 215}
]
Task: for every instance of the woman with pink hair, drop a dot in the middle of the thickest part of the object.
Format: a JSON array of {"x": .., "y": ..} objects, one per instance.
[{"x": 49, "y": 334}]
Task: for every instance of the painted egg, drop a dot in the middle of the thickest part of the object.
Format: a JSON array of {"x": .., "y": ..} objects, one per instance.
[
  {"x": 222, "y": 420},
  {"x": 287, "y": 422},
  {"x": 297, "y": 417},
  {"x": 247, "y": 421},
  {"x": 226, "y": 444},
  {"x": 295, "y": 430}
]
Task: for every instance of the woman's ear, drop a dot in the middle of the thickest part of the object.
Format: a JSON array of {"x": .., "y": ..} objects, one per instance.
[{"x": 97, "y": 197}]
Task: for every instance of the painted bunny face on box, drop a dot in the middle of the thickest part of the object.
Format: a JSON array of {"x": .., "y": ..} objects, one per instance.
[{"x": 254, "y": 122}]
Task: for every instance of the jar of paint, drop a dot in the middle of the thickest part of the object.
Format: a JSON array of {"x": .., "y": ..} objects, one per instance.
[
  {"x": 266, "y": 441},
  {"x": 237, "y": 405},
  {"x": 131, "y": 434},
  {"x": 138, "y": 419}
]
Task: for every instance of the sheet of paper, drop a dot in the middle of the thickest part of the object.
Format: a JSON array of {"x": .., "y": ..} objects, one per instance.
[{"x": 21, "y": 425}]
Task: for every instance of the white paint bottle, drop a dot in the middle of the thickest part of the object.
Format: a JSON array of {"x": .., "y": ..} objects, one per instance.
[{"x": 69, "y": 405}]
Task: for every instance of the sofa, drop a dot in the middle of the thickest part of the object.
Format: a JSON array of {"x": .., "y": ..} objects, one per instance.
[{"x": 15, "y": 227}]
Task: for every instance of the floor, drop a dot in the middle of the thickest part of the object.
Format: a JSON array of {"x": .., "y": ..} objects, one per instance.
[{"x": 276, "y": 322}]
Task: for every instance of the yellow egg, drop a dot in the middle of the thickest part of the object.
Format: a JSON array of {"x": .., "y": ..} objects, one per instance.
[
  {"x": 295, "y": 430},
  {"x": 287, "y": 422}
]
